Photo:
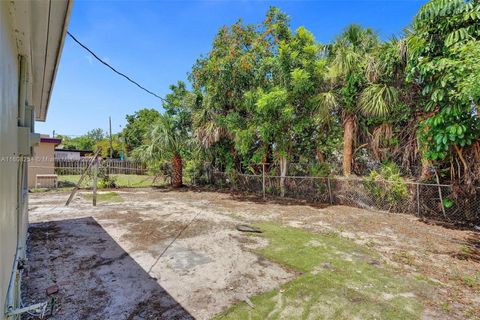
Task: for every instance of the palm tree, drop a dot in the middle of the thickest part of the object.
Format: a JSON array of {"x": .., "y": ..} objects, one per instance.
[
  {"x": 165, "y": 141},
  {"x": 349, "y": 57}
]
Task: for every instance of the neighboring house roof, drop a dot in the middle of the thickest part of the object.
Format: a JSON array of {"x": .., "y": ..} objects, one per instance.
[
  {"x": 40, "y": 29},
  {"x": 51, "y": 140},
  {"x": 73, "y": 150}
]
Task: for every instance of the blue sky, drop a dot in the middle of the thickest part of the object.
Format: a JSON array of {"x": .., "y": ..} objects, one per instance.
[{"x": 157, "y": 42}]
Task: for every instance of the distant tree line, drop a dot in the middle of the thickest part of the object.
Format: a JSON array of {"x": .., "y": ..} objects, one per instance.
[
  {"x": 92, "y": 140},
  {"x": 268, "y": 94}
]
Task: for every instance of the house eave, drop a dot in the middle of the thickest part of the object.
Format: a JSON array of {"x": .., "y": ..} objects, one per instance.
[{"x": 40, "y": 29}]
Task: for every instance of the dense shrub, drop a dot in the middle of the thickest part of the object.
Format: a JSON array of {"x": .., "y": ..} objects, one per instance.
[{"x": 387, "y": 184}]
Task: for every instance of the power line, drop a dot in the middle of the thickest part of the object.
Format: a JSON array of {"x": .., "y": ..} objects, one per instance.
[{"x": 115, "y": 70}]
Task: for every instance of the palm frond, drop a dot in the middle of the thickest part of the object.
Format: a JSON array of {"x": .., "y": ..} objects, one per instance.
[
  {"x": 373, "y": 68},
  {"x": 325, "y": 103},
  {"x": 163, "y": 140},
  {"x": 402, "y": 49},
  {"x": 345, "y": 61},
  {"x": 207, "y": 130},
  {"x": 377, "y": 99},
  {"x": 381, "y": 134}
]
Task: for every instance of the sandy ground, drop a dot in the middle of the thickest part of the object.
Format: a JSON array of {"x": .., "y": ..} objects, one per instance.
[{"x": 118, "y": 261}]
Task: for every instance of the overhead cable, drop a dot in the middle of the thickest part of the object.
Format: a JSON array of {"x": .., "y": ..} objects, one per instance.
[{"x": 115, "y": 70}]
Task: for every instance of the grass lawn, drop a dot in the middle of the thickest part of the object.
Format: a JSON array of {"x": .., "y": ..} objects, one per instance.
[
  {"x": 105, "y": 197},
  {"x": 121, "y": 180},
  {"x": 337, "y": 280}
]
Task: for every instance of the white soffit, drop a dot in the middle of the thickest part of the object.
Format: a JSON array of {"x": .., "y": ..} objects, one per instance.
[{"x": 40, "y": 27}]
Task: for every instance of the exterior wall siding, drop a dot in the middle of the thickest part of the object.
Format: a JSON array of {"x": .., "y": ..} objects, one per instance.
[
  {"x": 23, "y": 34},
  {"x": 9, "y": 168}
]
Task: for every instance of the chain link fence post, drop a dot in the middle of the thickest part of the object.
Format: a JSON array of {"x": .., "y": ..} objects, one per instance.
[
  {"x": 418, "y": 199},
  {"x": 94, "y": 182},
  {"x": 263, "y": 180},
  {"x": 329, "y": 190}
]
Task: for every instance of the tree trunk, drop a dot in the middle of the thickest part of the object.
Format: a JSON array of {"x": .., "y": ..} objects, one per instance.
[
  {"x": 319, "y": 155},
  {"x": 177, "y": 180},
  {"x": 283, "y": 174},
  {"x": 348, "y": 127},
  {"x": 426, "y": 172}
]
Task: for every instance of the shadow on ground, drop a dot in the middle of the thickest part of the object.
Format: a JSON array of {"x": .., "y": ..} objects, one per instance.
[
  {"x": 243, "y": 196},
  {"x": 96, "y": 278}
]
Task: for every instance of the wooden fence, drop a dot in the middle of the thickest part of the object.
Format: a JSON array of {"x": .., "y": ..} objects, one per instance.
[{"x": 111, "y": 166}]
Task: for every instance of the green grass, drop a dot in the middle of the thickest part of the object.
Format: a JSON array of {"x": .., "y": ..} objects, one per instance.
[
  {"x": 105, "y": 197},
  {"x": 338, "y": 280}
]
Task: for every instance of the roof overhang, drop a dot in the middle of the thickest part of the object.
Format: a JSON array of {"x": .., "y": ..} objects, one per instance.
[
  {"x": 40, "y": 27},
  {"x": 51, "y": 140}
]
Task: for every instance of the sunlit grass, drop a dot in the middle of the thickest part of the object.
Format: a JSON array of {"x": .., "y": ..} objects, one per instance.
[
  {"x": 338, "y": 280},
  {"x": 121, "y": 181},
  {"x": 105, "y": 197}
]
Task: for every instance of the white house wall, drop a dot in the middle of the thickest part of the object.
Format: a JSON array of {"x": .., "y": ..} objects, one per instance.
[
  {"x": 9, "y": 80},
  {"x": 31, "y": 39}
]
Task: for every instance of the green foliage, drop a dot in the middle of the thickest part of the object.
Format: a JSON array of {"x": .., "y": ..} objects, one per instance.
[
  {"x": 443, "y": 30},
  {"x": 105, "y": 197},
  {"x": 163, "y": 141},
  {"x": 448, "y": 203},
  {"x": 137, "y": 126},
  {"x": 179, "y": 104},
  {"x": 376, "y": 99},
  {"x": 194, "y": 169},
  {"x": 387, "y": 185},
  {"x": 105, "y": 145},
  {"x": 448, "y": 127},
  {"x": 320, "y": 169},
  {"x": 83, "y": 142},
  {"x": 267, "y": 93},
  {"x": 105, "y": 180},
  {"x": 93, "y": 140},
  {"x": 96, "y": 134}
]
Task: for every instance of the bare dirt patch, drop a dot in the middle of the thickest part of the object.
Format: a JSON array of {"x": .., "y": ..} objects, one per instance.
[{"x": 107, "y": 261}]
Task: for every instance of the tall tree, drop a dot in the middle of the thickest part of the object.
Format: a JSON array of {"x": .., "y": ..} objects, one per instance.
[
  {"x": 284, "y": 109},
  {"x": 83, "y": 142},
  {"x": 137, "y": 126},
  {"x": 443, "y": 31},
  {"x": 180, "y": 103},
  {"x": 234, "y": 66},
  {"x": 96, "y": 134},
  {"x": 164, "y": 141},
  {"x": 347, "y": 71}
]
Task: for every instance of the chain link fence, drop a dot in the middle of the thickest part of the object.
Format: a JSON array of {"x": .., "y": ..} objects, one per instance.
[{"x": 433, "y": 201}]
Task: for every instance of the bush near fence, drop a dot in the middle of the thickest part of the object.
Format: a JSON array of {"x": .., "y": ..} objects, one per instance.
[{"x": 434, "y": 201}]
